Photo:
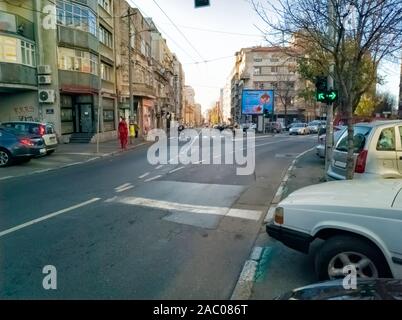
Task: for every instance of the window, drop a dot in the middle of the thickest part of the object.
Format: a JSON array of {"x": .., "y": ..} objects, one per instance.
[
  {"x": 106, "y": 72},
  {"x": 274, "y": 60},
  {"x": 105, "y": 37},
  {"x": 14, "y": 50},
  {"x": 359, "y": 139},
  {"x": 77, "y": 60},
  {"x": 106, "y": 5},
  {"x": 274, "y": 69},
  {"x": 76, "y": 16},
  {"x": 386, "y": 141},
  {"x": 257, "y": 71},
  {"x": 257, "y": 60}
]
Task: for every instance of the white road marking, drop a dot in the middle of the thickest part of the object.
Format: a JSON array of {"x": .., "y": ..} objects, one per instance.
[
  {"x": 122, "y": 186},
  {"x": 174, "y": 206},
  {"x": 152, "y": 179},
  {"x": 49, "y": 216},
  {"x": 244, "y": 214},
  {"x": 144, "y": 175},
  {"x": 159, "y": 167},
  {"x": 124, "y": 189},
  {"x": 5, "y": 178},
  {"x": 175, "y": 170}
]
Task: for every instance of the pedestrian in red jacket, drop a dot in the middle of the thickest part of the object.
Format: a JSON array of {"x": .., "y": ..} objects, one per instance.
[{"x": 123, "y": 133}]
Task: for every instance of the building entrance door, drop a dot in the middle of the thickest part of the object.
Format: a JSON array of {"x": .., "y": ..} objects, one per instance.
[{"x": 86, "y": 118}]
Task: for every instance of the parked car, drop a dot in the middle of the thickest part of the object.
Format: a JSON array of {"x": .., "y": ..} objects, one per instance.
[
  {"x": 377, "y": 151},
  {"x": 290, "y": 125},
  {"x": 360, "y": 223},
  {"x": 274, "y": 127},
  {"x": 45, "y": 130},
  {"x": 320, "y": 148},
  {"x": 299, "y": 128},
  {"x": 16, "y": 146},
  {"x": 314, "y": 126},
  {"x": 366, "y": 289}
]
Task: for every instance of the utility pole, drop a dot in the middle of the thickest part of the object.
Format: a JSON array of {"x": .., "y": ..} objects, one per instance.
[
  {"x": 330, "y": 86},
  {"x": 130, "y": 74}
]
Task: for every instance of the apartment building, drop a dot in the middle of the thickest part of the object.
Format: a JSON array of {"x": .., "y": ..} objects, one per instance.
[
  {"x": 268, "y": 68},
  {"x": 67, "y": 62}
]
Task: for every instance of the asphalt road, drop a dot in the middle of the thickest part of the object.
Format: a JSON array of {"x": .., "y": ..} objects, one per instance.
[{"x": 121, "y": 228}]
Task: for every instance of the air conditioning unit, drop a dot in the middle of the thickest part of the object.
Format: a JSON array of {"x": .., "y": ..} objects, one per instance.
[
  {"x": 44, "y": 79},
  {"x": 46, "y": 96},
  {"x": 46, "y": 69}
]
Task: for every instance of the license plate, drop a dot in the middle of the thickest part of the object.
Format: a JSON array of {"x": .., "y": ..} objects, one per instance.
[
  {"x": 42, "y": 151},
  {"x": 340, "y": 164}
]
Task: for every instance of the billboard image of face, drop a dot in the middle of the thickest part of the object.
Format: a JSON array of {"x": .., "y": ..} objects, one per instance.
[{"x": 254, "y": 102}]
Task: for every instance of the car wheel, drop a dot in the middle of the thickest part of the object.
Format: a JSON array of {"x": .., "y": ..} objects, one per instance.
[
  {"x": 5, "y": 158},
  {"x": 341, "y": 251},
  {"x": 50, "y": 152}
]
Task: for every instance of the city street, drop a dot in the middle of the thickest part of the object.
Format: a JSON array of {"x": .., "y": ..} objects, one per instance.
[{"x": 118, "y": 227}]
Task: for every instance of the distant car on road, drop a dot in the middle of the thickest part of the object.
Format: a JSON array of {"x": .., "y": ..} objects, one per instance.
[
  {"x": 360, "y": 223},
  {"x": 314, "y": 126},
  {"x": 299, "y": 128},
  {"x": 45, "y": 130},
  {"x": 377, "y": 151},
  {"x": 16, "y": 146},
  {"x": 320, "y": 148}
]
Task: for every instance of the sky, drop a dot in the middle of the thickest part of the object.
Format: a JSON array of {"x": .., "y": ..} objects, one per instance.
[{"x": 216, "y": 33}]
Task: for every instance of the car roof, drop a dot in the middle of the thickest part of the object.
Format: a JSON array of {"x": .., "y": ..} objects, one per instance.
[
  {"x": 379, "y": 123},
  {"x": 27, "y": 122}
]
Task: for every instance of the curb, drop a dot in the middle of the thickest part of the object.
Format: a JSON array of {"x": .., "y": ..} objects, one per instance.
[
  {"x": 74, "y": 163},
  {"x": 245, "y": 283}
]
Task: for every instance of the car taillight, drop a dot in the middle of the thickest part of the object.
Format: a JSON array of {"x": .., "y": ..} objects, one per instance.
[
  {"x": 361, "y": 162},
  {"x": 26, "y": 142},
  {"x": 42, "y": 130}
]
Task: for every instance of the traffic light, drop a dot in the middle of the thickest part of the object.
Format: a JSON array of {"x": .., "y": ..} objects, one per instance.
[
  {"x": 321, "y": 84},
  {"x": 201, "y": 3},
  {"x": 266, "y": 113}
]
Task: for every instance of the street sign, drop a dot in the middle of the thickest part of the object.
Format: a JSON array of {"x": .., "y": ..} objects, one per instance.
[{"x": 201, "y": 3}]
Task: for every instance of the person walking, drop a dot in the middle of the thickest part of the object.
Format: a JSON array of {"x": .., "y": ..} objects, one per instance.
[
  {"x": 132, "y": 131},
  {"x": 123, "y": 133}
]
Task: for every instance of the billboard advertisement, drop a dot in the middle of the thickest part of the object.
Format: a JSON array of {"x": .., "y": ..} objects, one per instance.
[{"x": 254, "y": 102}]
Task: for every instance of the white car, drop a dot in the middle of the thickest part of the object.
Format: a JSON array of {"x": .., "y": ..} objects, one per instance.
[
  {"x": 378, "y": 152},
  {"x": 359, "y": 221},
  {"x": 299, "y": 128}
]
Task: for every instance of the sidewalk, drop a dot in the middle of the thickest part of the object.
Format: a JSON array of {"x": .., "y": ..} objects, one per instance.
[
  {"x": 66, "y": 155},
  {"x": 282, "y": 269}
]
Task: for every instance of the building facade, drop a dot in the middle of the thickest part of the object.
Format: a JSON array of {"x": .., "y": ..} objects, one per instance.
[{"x": 67, "y": 62}]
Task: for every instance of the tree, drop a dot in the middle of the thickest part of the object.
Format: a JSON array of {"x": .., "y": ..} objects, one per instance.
[
  {"x": 384, "y": 103},
  {"x": 364, "y": 32},
  {"x": 366, "y": 106}
]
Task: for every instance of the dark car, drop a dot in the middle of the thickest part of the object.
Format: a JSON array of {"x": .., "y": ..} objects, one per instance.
[
  {"x": 43, "y": 129},
  {"x": 366, "y": 289},
  {"x": 16, "y": 146}
]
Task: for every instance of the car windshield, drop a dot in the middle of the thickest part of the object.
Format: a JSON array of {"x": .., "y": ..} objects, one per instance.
[{"x": 176, "y": 149}]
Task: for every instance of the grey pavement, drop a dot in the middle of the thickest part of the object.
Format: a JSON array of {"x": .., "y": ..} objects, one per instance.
[
  {"x": 66, "y": 154},
  {"x": 121, "y": 228},
  {"x": 283, "y": 269}
]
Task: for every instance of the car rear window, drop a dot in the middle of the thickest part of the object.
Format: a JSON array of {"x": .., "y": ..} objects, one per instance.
[
  {"x": 26, "y": 128},
  {"x": 359, "y": 139}
]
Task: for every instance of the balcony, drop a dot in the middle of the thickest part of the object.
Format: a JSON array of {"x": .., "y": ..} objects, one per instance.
[
  {"x": 18, "y": 75},
  {"x": 73, "y": 81}
]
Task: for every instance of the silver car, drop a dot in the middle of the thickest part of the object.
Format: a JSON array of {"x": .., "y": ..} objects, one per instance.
[
  {"x": 320, "y": 148},
  {"x": 377, "y": 154},
  {"x": 314, "y": 126}
]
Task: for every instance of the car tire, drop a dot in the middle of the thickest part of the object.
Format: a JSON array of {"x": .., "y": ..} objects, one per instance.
[
  {"x": 50, "y": 152},
  {"x": 5, "y": 158},
  {"x": 349, "y": 244}
]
